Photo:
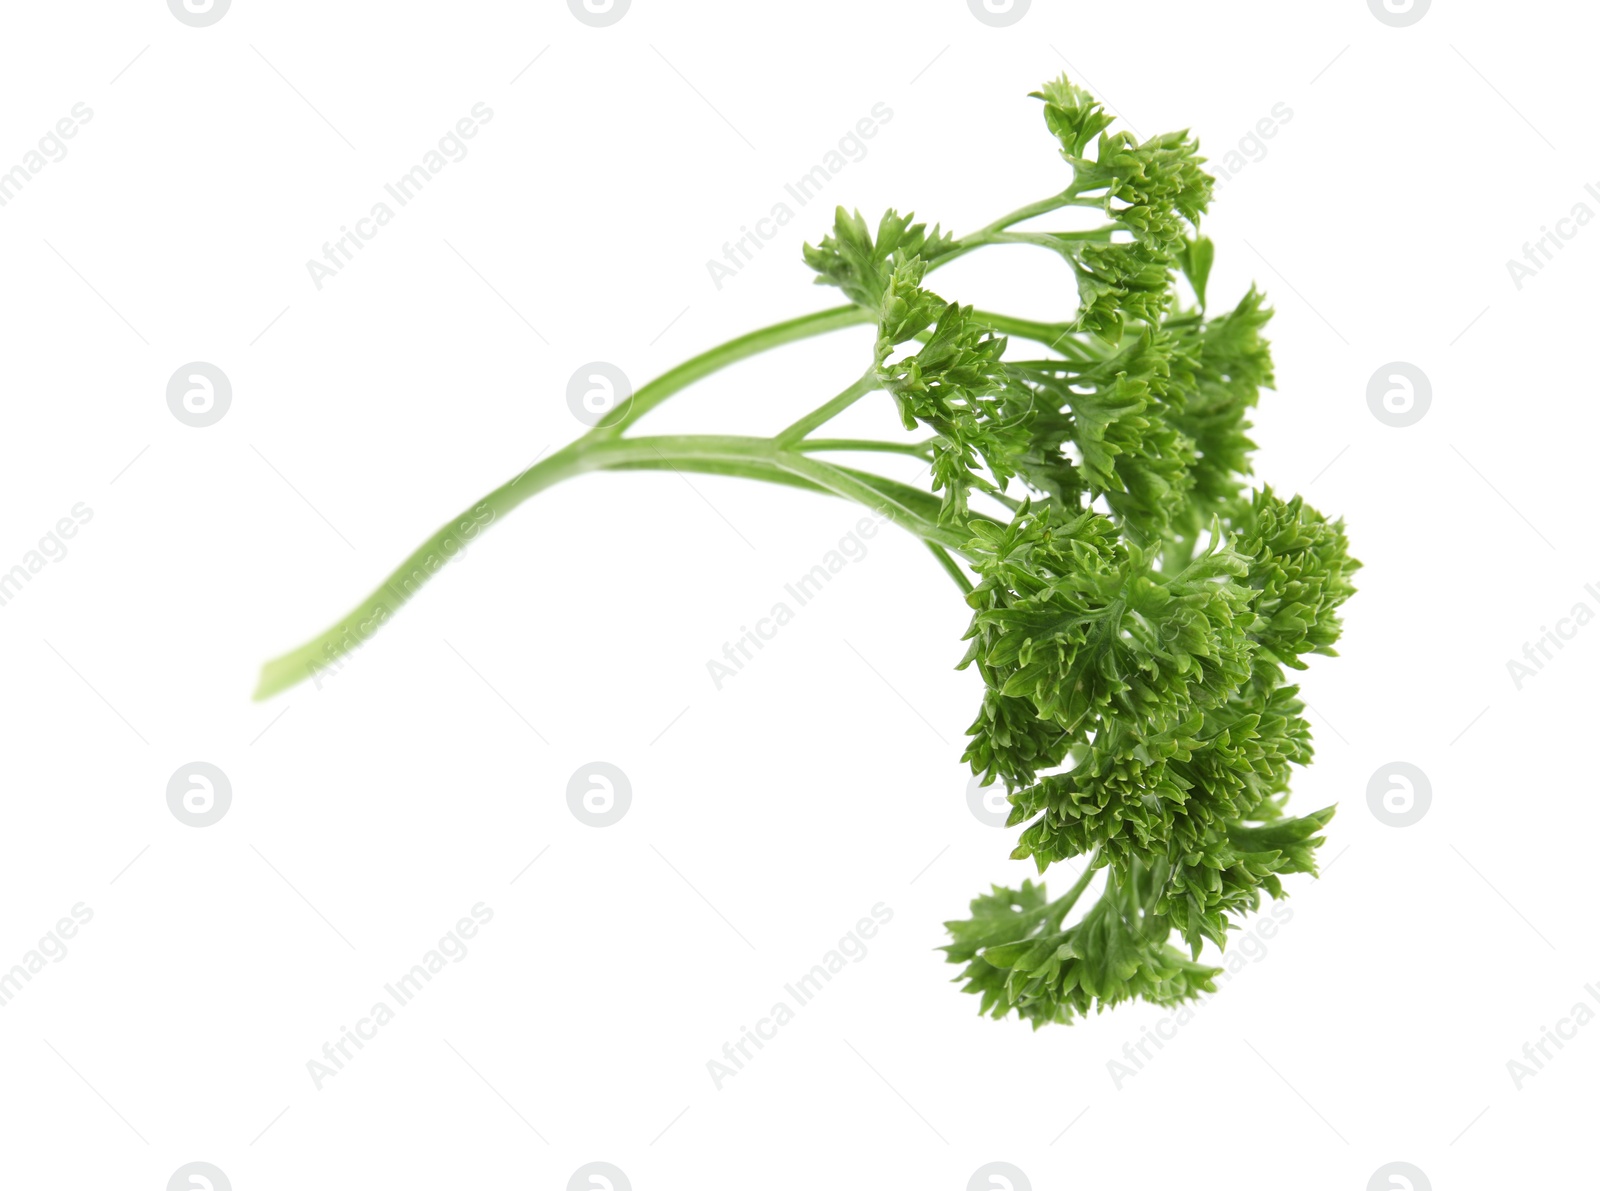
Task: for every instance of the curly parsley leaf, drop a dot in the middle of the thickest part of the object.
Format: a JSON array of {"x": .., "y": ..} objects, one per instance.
[{"x": 861, "y": 264}]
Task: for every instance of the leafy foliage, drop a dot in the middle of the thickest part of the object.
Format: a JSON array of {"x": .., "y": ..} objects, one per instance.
[
  {"x": 1134, "y": 617},
  {"x": 1152, "y": 190},
  {"x": 952, "y": 386},
  {"x": 861, "y": 264},
  {"x": 1119, "y": 412},
  {"x": 1230, "y": 364},
  {"x": 1136, "y": 606},
  {"x": 1021, "y": 959}
]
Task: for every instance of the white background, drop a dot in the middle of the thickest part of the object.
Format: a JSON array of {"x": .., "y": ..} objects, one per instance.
[{"x": 767, "y": 817}]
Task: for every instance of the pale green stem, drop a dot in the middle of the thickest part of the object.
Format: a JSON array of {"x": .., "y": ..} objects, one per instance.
[
  {"x": 921, "y": 450},
  {"x": 604, "y": 447},
  {"x": 753, "y": 458},
  {"x": 756, "y": 342},
  {"x": 793, "y": 433}
]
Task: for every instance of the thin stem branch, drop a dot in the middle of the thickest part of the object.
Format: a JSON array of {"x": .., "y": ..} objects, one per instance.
[
  {"x": 751, "y": 458},
  {"x": 919, "y": 450},
  {"x": 951, "y": 566},
  {"x": 1057, "y": 336},
  {"x": 850, "y": 484},
  {"x": 1067, "y": 900},
  {"x": 978, "y": 239},
  {"x": 827, "y": 411},
  {"x": 653, "y": 394},
  {"x": 605, "y": 447},
  {"x": 1042, "y": 206},
  {"x": 1054, "y": 240}
]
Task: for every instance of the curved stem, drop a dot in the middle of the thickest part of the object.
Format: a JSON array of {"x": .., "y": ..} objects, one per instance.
[
  {"x": 792, "y": 330},
  {"x": 1054, "y": 240},
  {"x": 951, "y": 566},
  {"x": 979, "y": 238},
  {"x": 653, "y": 394},
  {"x": 851, "y": 485},
  {"x": 827, "y": 411},
  {"x": 418, "y": 567},
  {"x": 1056, "y": 336},
  {"x": 752, "y": 458},
  {"x": 658, "y": 390},
  {"x": 742, "y": 469},
  {"x": 1062, "y": 906},
  {"x": 917, "y": 449},
  {"x": 604, "y": 447}
]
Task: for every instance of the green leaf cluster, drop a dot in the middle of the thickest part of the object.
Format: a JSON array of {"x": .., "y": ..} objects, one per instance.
[
  {"x": 1137, "y": 605},
  {"x": 862, "y": 264},
  {"x": 953, "y": 385},
  {"x": 1021, "y": 957}
]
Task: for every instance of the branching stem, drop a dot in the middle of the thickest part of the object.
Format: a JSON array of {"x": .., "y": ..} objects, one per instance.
[
  {"x": 783, "y": 459},
  {"x": 752, "y": 458}
]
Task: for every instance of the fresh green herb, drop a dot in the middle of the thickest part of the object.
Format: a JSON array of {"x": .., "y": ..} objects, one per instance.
[{"x": 1136, "y": 604}]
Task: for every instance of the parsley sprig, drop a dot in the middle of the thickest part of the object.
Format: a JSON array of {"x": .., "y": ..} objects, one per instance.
[{"x": 1135, "y": 603}]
